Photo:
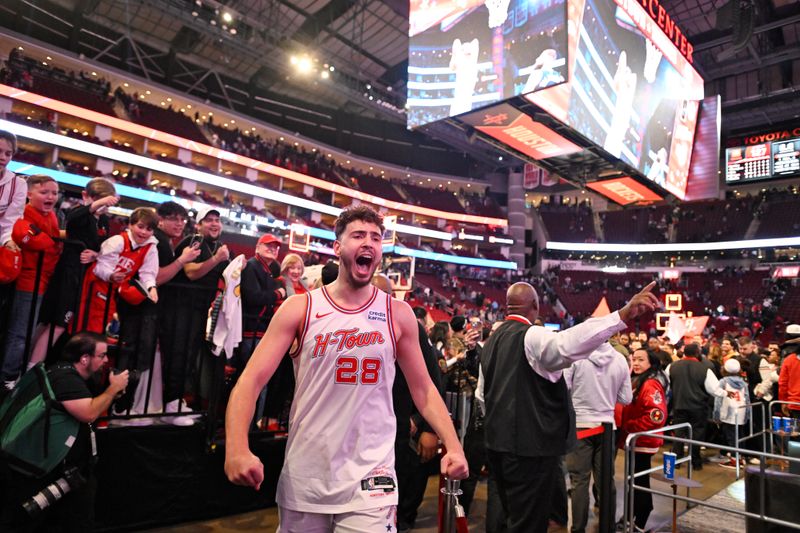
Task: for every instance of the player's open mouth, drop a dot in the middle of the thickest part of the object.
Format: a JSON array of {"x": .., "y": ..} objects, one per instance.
[{"x": 363, "y": 263}]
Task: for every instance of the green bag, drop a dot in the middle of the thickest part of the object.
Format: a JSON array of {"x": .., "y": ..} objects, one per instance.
[{"x": 36, "y": 433}]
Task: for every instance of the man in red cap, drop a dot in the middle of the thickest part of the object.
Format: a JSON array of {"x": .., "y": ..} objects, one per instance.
[{"x": 262, "y": 294}]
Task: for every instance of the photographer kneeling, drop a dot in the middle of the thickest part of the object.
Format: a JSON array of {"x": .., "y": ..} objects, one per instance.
[{"x": 70, "y": 488}]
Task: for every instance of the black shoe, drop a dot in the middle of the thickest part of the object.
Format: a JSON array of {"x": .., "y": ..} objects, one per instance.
[{"x": 697, "y": 467}]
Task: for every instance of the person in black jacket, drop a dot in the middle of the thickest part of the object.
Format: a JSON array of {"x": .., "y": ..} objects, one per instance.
[
  {"x": 262, "y": 293},
  {"x": 693, "y": 384},
  {"x": 196, "y": 285}
]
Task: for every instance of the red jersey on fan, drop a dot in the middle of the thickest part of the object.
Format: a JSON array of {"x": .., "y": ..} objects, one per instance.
[
  {"x": 37, "y": 233},
  {"x": 119, "y": 254}
]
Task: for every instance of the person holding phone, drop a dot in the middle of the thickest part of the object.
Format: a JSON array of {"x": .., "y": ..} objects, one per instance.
[
  {"x": 140, "y": 333},
  {"x": 196, "y": 285}
]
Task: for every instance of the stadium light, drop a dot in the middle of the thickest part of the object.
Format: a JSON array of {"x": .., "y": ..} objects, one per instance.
[{"x": 303, "y": 64}]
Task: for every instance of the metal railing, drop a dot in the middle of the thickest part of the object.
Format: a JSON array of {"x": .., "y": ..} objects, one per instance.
[
  {"x": 631, "y": 487},
  {"x": 139, "y": 348},
  {"x": 752, "y": 434}
]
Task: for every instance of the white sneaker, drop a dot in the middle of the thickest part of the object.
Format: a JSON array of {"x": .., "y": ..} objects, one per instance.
[
  {"x": 180, "y": 420},
  {"x": 172, "y": 407},
  {"x": 9, "y": 385},
  {"x": 137, "y": 422},
  {"x": 754, "y": 461},
  {"x": 184, "y": 419}
]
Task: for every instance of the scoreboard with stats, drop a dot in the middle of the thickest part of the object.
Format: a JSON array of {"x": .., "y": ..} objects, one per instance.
[
  {"x": 786, "y": 158},
  {"x": 768, "y": 160}
]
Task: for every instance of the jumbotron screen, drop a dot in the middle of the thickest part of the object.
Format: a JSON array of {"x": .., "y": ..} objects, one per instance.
[
  {"x": 467, "y": 54},
  {"x": 630, "y": 90}
]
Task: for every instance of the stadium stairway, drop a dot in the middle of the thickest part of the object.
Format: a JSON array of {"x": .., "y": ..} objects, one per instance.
[{"x": 752, "y": 229}]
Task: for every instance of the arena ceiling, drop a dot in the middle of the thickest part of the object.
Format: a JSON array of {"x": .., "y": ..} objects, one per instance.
[{"x": 747, "y": 51}]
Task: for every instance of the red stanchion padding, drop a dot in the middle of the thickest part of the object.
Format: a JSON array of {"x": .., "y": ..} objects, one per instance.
[
  {"x": 461, "y": 524},
  {"x": 589, "y": 432}
]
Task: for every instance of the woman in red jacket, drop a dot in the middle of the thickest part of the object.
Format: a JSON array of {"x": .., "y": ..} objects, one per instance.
[{"x": 647, "y": 411}]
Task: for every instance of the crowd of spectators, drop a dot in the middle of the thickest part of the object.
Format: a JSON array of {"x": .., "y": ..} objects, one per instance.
[
  {"x": 21, "y": 71},
  {"x": 472, "y": 301}
]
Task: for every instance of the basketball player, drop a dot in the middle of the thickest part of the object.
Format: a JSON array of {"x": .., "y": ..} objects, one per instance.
[{"x": 338, "y": 474}]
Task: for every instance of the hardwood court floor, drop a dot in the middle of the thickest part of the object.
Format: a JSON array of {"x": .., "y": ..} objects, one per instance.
[{"x": 713, "y": 477}]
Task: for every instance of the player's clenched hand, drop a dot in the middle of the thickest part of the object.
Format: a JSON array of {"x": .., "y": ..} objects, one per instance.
[
  {"x": 454, "y": 465},
  {"x": 244, "y": 469},
  {"x": 640, "y": 304}
]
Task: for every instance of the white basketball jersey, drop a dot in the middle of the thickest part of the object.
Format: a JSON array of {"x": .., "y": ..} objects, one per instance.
[{"x": 340, "y": 452}]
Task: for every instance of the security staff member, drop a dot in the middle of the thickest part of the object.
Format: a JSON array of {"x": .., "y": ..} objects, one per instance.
[{"x": 529, "y": 420}]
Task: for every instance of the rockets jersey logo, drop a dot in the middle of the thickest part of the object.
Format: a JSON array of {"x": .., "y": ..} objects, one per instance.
[
  {"x": 345, "y": 339},
  {"x": 125, "y": 264}
]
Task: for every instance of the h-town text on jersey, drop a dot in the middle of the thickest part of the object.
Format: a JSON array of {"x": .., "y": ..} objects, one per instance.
[{"x": 345, "y": 339}]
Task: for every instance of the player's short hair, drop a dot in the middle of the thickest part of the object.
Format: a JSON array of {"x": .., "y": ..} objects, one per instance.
[
  {"x": 171, "y": 209},
  {"x": 361, "y": 212},
  {"x": 145, "y": 215},
  {"x": 82, "y": 343},
  {"x": 100, "y": 188},
  {"x": 10, "y": 138}
]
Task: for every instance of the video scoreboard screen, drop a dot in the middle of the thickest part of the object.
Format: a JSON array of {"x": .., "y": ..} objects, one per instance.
[
  {"x": 630, "y": 90},
  {"x": 769, "y": 160},
  {"x": 467, "y": 54}
]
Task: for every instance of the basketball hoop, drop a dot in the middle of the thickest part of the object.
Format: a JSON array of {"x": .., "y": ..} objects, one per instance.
[
  {"x": 498, "y": 12},
  {"x": 400, "y": 286}
]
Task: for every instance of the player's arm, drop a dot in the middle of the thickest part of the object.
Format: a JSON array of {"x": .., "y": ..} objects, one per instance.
[
  {"x": 241, "y": 466},
  {"x": 425, "y": 395}
]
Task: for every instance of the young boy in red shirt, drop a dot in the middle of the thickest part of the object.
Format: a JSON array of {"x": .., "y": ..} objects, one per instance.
[
  {"x": 86, "y": 226},
  {"x": 121, "y": 258},
  {"x": 38, "y": 236}
]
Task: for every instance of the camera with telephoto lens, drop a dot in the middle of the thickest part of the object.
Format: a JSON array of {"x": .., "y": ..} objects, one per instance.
[
  {"x": 133, "y": 374},
  {"x": 56, "y": 490}
]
